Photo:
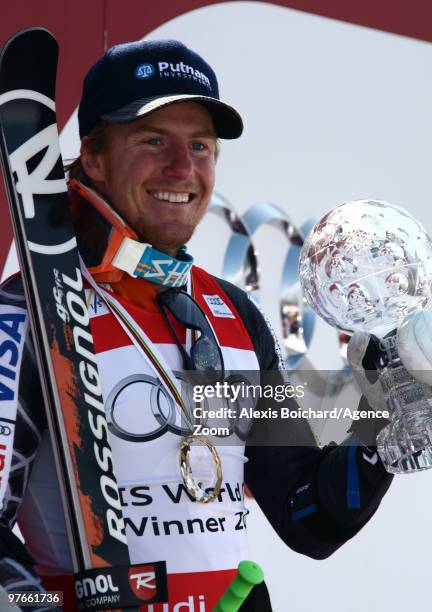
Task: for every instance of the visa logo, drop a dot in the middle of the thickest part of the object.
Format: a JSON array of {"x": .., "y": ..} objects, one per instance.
[{"x": 11, "y": 324}]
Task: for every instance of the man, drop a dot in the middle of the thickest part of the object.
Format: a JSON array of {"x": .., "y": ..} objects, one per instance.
[{"x": 150, "y": 118}]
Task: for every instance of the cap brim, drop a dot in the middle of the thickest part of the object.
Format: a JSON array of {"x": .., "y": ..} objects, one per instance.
[{"x": 227, "y": 121}]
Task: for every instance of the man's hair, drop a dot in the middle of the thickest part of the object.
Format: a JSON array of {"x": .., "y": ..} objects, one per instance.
[{"x": 96, "y": 141}]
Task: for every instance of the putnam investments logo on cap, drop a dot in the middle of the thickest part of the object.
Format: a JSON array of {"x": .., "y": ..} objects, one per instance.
[
  {"x": 170, "y": 70},
  {"x": 137, "y": 78}
]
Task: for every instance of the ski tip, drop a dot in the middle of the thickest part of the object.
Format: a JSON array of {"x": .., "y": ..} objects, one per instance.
[{"x": 35, "y": 36}]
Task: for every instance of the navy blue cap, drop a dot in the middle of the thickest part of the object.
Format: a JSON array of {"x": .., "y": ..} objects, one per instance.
[{"x": 133, "y": 79}]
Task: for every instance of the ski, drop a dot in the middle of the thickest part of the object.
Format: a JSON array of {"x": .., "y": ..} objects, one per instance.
[{"x": 50, "y": 268}]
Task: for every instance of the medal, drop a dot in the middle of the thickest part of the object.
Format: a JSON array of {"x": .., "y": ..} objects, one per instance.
[{"x": 193, "y": 485}]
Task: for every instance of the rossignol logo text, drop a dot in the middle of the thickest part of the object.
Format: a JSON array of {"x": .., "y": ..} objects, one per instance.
[
  {"x": 92, "y": 586},
  {"x": 71, "y": 307},
  {"x": 121, "y": 587},
  {"x": 98, "y": 591}
]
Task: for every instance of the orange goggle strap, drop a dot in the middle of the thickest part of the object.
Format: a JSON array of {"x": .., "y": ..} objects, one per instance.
[{"x": 124, "y": 252}]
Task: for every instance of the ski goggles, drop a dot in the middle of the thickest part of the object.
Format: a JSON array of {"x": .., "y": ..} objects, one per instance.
[
  {"x": 205, "y": 353},
  {"x": 111, "y": 231},
  {"x": 109, "y": 245}
]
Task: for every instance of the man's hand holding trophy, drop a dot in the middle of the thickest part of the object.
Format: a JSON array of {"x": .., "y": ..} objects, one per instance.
[{"x": 366, "y": 268}]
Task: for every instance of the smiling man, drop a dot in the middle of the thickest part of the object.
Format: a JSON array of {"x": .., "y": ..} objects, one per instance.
[
  {"x": 159, "y": 171},
  {"x": 150, "y": 118}
]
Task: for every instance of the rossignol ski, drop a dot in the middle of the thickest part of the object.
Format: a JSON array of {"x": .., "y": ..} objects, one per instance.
[{"x": 53, "y": 283}]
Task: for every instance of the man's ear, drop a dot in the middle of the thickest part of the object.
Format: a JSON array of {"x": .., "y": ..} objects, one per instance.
[{"x": 92, "y": 163}]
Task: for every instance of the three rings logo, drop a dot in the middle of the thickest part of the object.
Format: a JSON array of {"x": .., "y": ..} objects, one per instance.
[
  {"x": 241, "y": 267},
  {"x": 125, "y": 414},
  {"x": 5, "y": 430},
  {"x": 36, "y": 164},
  {"x": 128, "y": 416}
]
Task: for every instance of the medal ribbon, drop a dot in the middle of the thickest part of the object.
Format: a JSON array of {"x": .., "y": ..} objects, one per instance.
[
  {"x": 141, "y": 342},
  {"x": 147, "y": 349}
]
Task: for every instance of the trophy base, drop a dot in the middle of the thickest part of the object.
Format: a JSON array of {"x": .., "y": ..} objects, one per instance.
[{"x": 404, "y": 448}]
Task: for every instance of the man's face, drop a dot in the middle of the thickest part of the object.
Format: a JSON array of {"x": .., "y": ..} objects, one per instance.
[{"x": 158, "y": 172}]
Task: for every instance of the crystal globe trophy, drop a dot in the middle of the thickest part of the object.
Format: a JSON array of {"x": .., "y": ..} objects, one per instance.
[{"x": 363, "y": 267}]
